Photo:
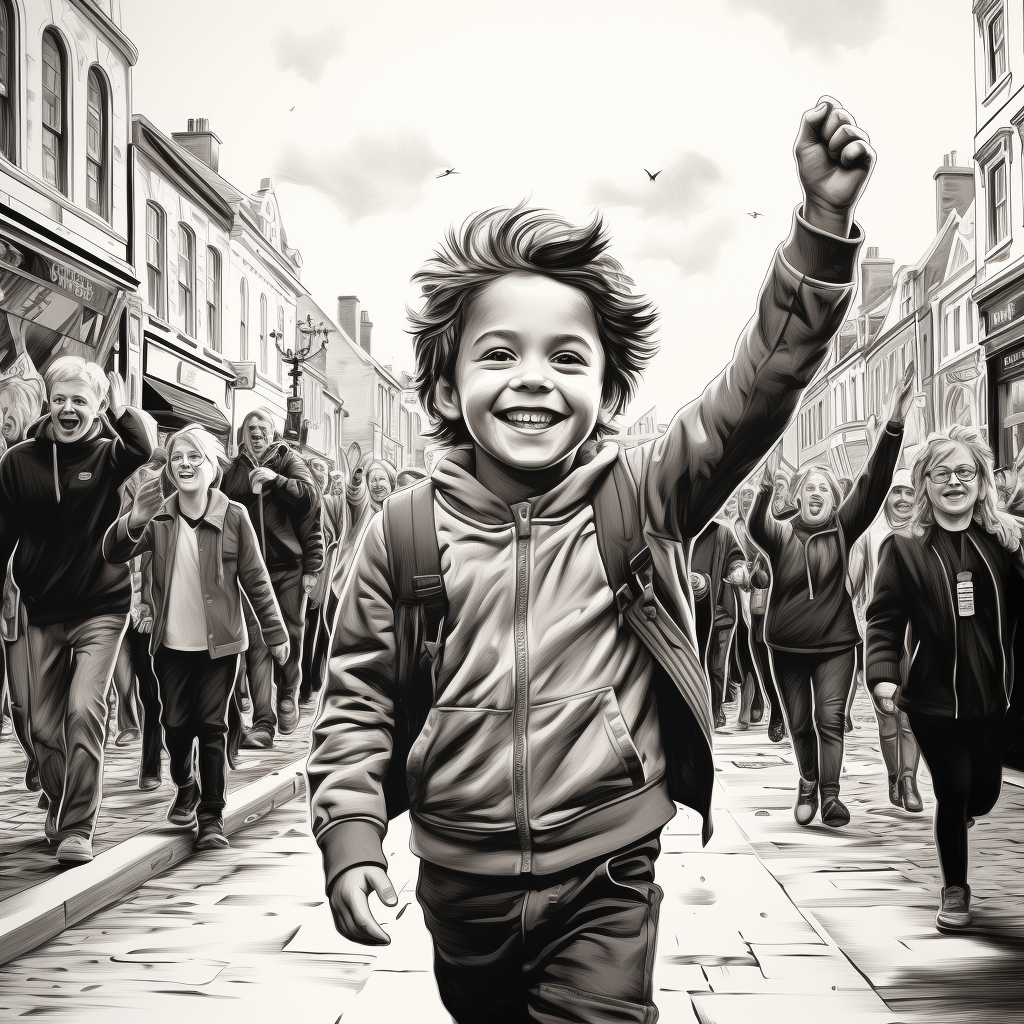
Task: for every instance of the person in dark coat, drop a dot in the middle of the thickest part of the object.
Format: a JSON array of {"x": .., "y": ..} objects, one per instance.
[
  {"x": 951, "y": 595},
  {"x": 279, "y": 493},
  {"x": 810, "y": 627}
]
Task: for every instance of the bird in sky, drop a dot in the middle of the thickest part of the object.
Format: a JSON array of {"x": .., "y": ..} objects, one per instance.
[
  {"x": 451, "y": 170},
  {"x": 652, "y": 176},
  {"x": 754, "y": 214},
  {"x": 290, "y": 109}
]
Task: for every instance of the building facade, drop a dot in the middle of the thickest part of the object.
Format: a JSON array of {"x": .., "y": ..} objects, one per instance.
[{"x": 65, "y": 120}]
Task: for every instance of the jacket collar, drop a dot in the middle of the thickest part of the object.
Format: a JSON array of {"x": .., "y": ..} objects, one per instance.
[
  {"x": 454, "y": 479},
  {"x": 213, "y": 516}
]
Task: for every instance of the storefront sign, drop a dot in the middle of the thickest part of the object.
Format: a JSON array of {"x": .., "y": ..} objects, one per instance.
[
  {"x": 188, "y": 375},
  {"x": 997, "y": 317},
  {"x": 72, "y": 281},
  {"x": 1012, "y": 363},
  {"x": 962, "y": 376},
  {"x": 245, "y": 376}
]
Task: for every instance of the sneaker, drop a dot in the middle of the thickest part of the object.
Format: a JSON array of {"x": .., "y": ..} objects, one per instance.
[
  {"x": 183, "y": 811},
  {"x": 777, "y": 731},
  {"x": 211, "y": 836},
  {"x": 834, "y": 812},
  {"x": 258, "y": 739},
  {"x": 910, "y": 795},
  {"x": 74, "y": 850},
  {"x": 806, "y": 802},
  {"x": 287, "y": 715},
  {"x": 126, "y": 738},
  {"x": 955, "y": 910},
  {"x": 149, "y": 782},
  {"x": 894, "y": 792}
]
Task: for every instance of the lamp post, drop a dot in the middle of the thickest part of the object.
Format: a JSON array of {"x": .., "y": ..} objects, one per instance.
[{"x": 297, "y": 357}]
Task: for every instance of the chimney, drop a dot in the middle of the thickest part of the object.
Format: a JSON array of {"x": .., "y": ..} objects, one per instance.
[
  {"x": 954, "y": 189},
  {"x": 365, "y": 330},
  {"x": 348, "y": 315},
  {"x": 200, "y": 142},
  {"x": 875, "y": 277}
]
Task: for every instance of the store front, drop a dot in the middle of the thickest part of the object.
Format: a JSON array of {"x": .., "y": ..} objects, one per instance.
[
  {"x": 1002, "y": 319},
  {"x": 53, "y": 303}
]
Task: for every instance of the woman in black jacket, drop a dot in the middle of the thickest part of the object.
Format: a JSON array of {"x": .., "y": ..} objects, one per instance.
[
  {"x": 810, "y": 626},
  {"x": 957, "y": 582}
]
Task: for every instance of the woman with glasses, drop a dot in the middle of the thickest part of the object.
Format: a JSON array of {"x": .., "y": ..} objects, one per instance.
[{"x": 950, "y": 594}]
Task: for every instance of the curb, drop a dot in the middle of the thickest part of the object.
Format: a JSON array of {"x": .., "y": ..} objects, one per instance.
[{"x": 41, "y": 913}]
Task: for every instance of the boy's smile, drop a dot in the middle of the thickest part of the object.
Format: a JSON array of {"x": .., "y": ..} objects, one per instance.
[{"x": 530, "y": 373}]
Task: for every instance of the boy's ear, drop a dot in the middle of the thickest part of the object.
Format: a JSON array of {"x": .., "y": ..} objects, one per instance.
[
  {"x": 446, "y": 398},
  {"x": 607, "y": 411}
]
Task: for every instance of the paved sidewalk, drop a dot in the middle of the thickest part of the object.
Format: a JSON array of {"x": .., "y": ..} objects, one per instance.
[{"x": 26, "y": 858}]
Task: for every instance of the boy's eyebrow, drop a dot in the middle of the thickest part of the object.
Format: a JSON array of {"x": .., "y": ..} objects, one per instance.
[{"x": 501, "y": 333}]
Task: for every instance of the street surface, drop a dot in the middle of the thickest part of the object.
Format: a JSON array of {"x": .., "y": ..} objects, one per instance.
[{"x": 244, "y": 935}]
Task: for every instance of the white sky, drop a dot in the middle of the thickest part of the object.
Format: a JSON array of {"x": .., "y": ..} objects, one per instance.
[{"x": 563, "y": 102}]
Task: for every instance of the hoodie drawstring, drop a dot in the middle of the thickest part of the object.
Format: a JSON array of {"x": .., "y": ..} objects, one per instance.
[
  {"x": 56, "y": 478},
  {"x": 807, "y": 568}
]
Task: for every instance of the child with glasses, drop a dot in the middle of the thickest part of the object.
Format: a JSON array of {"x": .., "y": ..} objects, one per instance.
[
  {"x": 204, "y": 554},
  {"x": 950, "y": 593}
]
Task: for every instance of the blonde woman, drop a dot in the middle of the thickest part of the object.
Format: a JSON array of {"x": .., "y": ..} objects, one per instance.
[{"x": 957, "y": 581}]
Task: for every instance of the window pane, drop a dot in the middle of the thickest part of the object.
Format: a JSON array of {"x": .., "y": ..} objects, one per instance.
[
  {"x": 94, "y": 119},
  {"x": 53, "y": 86},
  {"x": 5, "y": 53},
  {"x": 51, "y": 158}
]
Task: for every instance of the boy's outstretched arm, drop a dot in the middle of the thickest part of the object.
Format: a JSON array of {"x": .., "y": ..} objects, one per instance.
[
  {"x": 713, "y": 443},
  {"x": 351, "y": 745}
]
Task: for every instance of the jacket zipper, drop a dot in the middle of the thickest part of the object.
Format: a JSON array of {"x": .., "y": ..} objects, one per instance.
[
  {"x": 522, "y": 515},
  {"x": 952, "y": 607},
  {"x": 999, "y": 618}
]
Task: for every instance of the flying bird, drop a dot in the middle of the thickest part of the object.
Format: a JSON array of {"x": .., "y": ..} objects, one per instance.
[
  {"x": 451, "y": 170},
  {"x": 652, "y": 176},
  {"x": 290, "y": 109},
  {"x": 754, "y": 214}
]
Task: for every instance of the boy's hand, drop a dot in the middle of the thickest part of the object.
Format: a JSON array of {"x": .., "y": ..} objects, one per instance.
[
  {"x": 350, "y": 904},
  {"x": 117, "y": 394},
  {"x": 260, "y": 476},
  {"x": 898, "y": 405},
  {"x": 834, "y": 159},
  {"x": 148, "y": 499}
]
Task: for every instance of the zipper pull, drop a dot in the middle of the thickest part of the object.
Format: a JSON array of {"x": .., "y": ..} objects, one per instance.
[{"x": 522, "y": 514}]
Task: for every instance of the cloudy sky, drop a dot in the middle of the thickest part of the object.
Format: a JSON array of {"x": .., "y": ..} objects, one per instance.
[{"x": 354, "y": 108}]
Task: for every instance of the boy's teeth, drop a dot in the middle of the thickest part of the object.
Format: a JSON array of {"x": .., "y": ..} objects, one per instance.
[{"x": 530, "y": 418}]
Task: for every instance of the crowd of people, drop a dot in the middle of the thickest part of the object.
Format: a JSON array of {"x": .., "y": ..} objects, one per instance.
[{"x": 192, "y": 591}]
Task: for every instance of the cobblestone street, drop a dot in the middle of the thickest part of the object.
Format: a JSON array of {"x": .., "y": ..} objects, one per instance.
[{"x": 770, "y": 922}]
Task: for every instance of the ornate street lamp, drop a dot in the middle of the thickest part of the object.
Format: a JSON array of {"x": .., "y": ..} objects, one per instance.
[{"x": 297, "y": 357}]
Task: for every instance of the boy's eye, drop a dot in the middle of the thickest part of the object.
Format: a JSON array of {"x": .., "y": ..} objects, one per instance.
[
  {"x": 569, "y": 359},
  {"x": 499, "y": 355}
]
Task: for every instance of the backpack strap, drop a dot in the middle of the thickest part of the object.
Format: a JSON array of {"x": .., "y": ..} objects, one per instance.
[{"x": 620, "y": 539}]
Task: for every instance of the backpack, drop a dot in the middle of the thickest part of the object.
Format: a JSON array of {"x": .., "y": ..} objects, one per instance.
[{"x": 421, "y": 607}]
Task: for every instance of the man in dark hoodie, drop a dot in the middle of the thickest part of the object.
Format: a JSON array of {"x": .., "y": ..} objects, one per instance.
[
  {"x": 281, "y": 497},
  {"x": 58, "y": 494}
]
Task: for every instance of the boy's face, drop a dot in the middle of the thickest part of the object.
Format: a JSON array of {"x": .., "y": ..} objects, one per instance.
[
  {"x": 530, "y": 372},
  {"x": 74, "y": 408}
]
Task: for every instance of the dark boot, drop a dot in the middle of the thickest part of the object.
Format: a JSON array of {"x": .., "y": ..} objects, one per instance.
[
  {"x": 910, "y": 796},
  {"x": 806, "y": 802}
]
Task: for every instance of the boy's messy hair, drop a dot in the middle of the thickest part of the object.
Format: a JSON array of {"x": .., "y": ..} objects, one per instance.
[
  {"x": 67, "y": 368},
  {"x": 520, "y": 239}
]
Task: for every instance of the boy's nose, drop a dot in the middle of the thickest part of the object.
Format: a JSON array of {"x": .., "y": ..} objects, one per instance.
[{"x": 531, "y": 382}]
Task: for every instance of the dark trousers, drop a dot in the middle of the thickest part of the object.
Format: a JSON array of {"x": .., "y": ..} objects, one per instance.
[
  {"x": 576, "y": 946},
  {"x": 261, "y": 667},
  {"x": 745, "y": 670},
  {"x": 194, "y": 694},
  {"x": 718, "y": 663},
  {"x": 814, "y": 689},
  {"x": 70, "y": 666},
  {"x": 762, "y": 660},
  {"x": 134, "y": 665},
  {"x": 18, "y": 686},
  {"x": 965, "y": 759}
]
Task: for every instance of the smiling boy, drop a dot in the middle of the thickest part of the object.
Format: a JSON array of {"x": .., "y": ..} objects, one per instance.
[
  {"x": 58, "y": 493},
  {"x": 544, "y": 774}
]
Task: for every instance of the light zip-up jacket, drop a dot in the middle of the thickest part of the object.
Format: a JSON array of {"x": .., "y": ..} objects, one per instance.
[
  {"x": 544, "y": 747},
  {"x": 810, "y": 607},
  {"x": 913, "y": 588}
]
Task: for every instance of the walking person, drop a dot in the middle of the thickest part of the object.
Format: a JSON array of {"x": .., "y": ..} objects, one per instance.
[
  {"x": 810, "y": 626},
  {"x": 280, "y": 495},
  {"x": 951, "y": 593},
  {"x": 58, "y": 494},
  {"x": 204, "y": 555},
  {"x": 900, "y": 751}
]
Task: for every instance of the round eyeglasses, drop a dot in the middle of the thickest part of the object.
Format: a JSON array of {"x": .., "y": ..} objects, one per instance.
[
  {"x": 965, "y": 474},
  {"x": 192, "y": 458}
]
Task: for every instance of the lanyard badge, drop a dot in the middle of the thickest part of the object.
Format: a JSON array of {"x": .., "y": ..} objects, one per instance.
[{"x": 964, "y": 594}]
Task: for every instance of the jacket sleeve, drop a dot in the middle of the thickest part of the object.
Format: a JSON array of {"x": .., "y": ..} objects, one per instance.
[
  {"x": 295, "y": 484},
  {"x": 136, "y": 438},
  {"x": 865, "y": 501},
  {"x": 351, "y": 738},
  {"x": 10, "y": 518},
  {"x": 311, "y": 537},
  {"x": 764, "y": 529},
  {"x": 858, "y": 567},
  {"x": 713, "y": 443},
  {"x": 120, "y": 546},
  {"x": 887, "y": 618},
  {"x": 255, "y": 581}
]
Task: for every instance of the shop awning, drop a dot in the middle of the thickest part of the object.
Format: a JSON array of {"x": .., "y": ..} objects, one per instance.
[{"x": 175, "y": 407}]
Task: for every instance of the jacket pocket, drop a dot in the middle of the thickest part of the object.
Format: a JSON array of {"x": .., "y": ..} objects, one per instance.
[
  {"x": 580, "y": 755},
  {"x": 459, "y": 770}
]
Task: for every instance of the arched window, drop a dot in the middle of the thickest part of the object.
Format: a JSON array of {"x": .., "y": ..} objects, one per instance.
[
  {"x": 243, "y": 320},
  {"x": 213, "y": 298},
  {"x": 263, "y": 333},
  {"x": 280, "y": 340},
  {"x": 55, "y": 107},
  {"x": 97, "y": 146},
  {"x": 8, "y": 121},
  {"x": 186, "y": 280},
  {"x": 156, "y": 234}
]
